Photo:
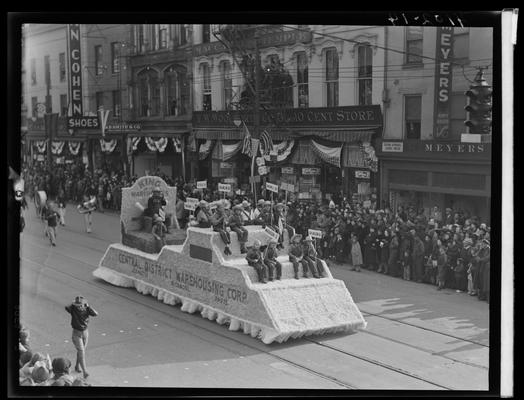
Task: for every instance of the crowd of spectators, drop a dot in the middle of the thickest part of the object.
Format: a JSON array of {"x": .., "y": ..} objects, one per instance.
[{"x": 37, "y": 368}]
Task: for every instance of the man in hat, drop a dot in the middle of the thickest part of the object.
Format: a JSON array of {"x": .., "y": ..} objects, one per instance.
[
  {"x": 270, "y": 259},
  {"x": 156, "y": 204},
  {"x": 80, "y": 312},
  {"x": 311, "y": 257},
  {"x": 279, "y": 224},
  {"x": 51, "y": 221},
  {"x": 255, "y": 215},
  {"x": 219, "y": 221},
  {"x": 236, "y": 224},
  {"x": 296, "y": 255},
  {"x": 417, "y": 256},
  {"x": 254, "y": 259},
  {"x": 203, "y": 215},
  {"x": 247, "y": 213},
  {"x": 266, "y": 216}
]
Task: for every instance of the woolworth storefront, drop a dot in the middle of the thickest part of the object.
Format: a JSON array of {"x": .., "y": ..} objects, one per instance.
[{"x": 323, "y": 152}]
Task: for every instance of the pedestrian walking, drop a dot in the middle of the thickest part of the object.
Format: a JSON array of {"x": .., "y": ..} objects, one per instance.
[
  {"x": 80, "y": 312},
  {"x": 61, "y": 200},
  {"x": 51, "y": 221}
]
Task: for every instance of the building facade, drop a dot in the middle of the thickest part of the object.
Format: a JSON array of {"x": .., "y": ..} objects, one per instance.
[{"x": 423, "y": 160}]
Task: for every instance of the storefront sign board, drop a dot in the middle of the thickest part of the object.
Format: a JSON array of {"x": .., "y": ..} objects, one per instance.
[
  {"x": 311, "y": 171},
  {"x": 393, "y": 147},
  {"x": 226, "y": 165},
  {"x": 362, "y": 174}
]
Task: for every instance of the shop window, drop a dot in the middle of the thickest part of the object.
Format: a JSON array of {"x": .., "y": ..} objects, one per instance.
[
  {"x": 99, "y": 69},
  {"x": 365, "y": 72},
  {"x": 302, "y": 80},
  {"x": 414, "y": 42},
  {"x": 331, "y": 82},
  {"x": 62, "y": 66},
  {"x": 408, "y": 177},
  {"x": 460, "y": 43},
  {"x": 206, "y": 33},
  {"x": 63, "y": 105},
  {"x": 412, "y": 112},
  {"x": 33, "y": 71},
  {"x": 459, "y": 181},
  {"x": 47, "y": 68},
  {"x": 206, "y": 87},
  {"x": 34, "y": 107},
  {"x": 227, "y": 84},
  {"x": 116, "y": 103},
  {"x": 148, "y": 93},
  {"x": 115, "y": 57},
  {"x": 458, "y": 115}
]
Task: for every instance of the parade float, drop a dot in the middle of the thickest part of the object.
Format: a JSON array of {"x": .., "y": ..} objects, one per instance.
[{"x": 192, "y": 270}]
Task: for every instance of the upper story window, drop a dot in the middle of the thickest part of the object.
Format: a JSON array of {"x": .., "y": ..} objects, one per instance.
[
  {"x": 34, "y": 107},
  {"x": 99, "y": 100},
  {"x": 183, "y": 34},
  {"x": 115, "y": 57},
  {"x": 176, "y": 91},
  {"x": 33, "y": 71},
  {"x": 412, "y": 115},
  {"x": 227, "y": 84},
  {"x": 62, "y": 66},
  {"x": 140, "y": 38},
  {"x": 302, "y": 80},
  {"x": 99, "y": 69},
  {"x": 206, "y": 33},
  {"x": 331, "y": 82},
  {"x": 47, "y": 67},
  {"x": 63, "y": 105},
  {"x": 365, "y": 73},
  {"x": 206, "y": 87},
  {"x": 163, "y": 31},
  {"x": 460, "y": 43},
  {"x": 414, "y": 41},
  {"x": 148, "y": 93},
  {"x": 117, "y": 108},
  {"x": 457, "y": 115}
]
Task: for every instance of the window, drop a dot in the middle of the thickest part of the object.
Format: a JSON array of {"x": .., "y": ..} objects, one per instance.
[
  {"x": 99, "y": 98},
  {"x": 206, "y": 92},
  {"x": 63, "y": 105},
  {"x": 414, "y": 35},
  {"x": 461, "y": 43},
  {"x": 331, "y": 78},
  {"x": 206, "y": 33},
  {"x": 48, "y": 104},
  {"x": 162, "y": 36},
  {"x": 183, "y": 36},
  {"x": 365, "y": 72},
  {"x": 227, "y": 85},
  {"x": 148, "y": 93},
  {"x": 457, "y": 115},
  {"x": 99, "y": 70},
  {"x": 302, "y": 80},
  {"x": 116, "y": 103},
  {"x": 140, "y": 39},
  {"x": 62, "y": 66},
  {"x": 33, "y": 71},
  {"x": 412, "y": 112},
  {"x": 47, "y": 68},
  {"x": 172, "y": 92},
  {"x": 115, "y": 57},
  {"x": 34, "y": 107}
]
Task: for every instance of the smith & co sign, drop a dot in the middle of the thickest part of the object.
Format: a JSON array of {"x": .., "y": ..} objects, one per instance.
[{"x": 298, "y": 117}]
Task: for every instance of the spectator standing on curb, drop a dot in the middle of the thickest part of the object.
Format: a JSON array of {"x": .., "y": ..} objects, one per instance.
[{"x": 80, "y": 312}]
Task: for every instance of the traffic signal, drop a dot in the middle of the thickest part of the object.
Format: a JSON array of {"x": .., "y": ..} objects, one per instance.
[{"x": 479, "y": 107}]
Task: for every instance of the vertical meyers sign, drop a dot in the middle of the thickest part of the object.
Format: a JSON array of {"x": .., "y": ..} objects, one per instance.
[
  {"x": 443, "y": 80},
  {"x": 75, "y": 66}
]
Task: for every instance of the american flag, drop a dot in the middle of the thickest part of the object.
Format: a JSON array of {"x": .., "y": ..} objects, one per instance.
[
  {"x": 246, "y": 148},
  {"x": 266, "y": 143}
]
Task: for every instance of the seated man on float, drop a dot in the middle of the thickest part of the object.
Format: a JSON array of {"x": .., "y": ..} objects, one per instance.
[
  {"x": 156, "y": 204},
  {"x": 219, "y": 221},
  {"x": 204, "y": 215},
  {"x": 237, "y": 225},
  {"x": 254, "y": 259},
  {"x": 266, "y": 216},
  {"x": 311, "y": 257},
  {"x": 159, "y": 232},
  {"x": 296, "y": 255},
  {"x": 270, "y": 259}
]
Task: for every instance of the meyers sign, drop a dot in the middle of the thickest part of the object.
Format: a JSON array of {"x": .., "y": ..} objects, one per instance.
[{"x": 318, "y": 116}]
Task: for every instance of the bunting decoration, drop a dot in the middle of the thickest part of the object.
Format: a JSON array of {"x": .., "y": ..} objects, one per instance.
[
  {"x": 74, "y": 147},
  {"x": 177, "y": 143},
  {"x": 327, "y": 154},
  {"x": 266, "y": 143},
  {"x": 370, "y": 158},
  {"x": 57, "y": 147},
  {"x": 205, "y": 149},
  {"x": 133, "y": 143},
  {"x": 108, "y": 146},
  {"x": 41, "y": 145},
  {"x": 229, "y": 150},
  {"x": 156, "y": 145},
  {"x": 283, "y": 150}
]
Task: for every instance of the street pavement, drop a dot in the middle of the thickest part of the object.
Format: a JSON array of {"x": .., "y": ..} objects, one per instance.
[{"x": 417, "y": 337}]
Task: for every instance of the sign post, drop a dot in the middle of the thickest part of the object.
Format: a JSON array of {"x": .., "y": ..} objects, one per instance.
[
  {"x": 224, "y": 188},
  {"x": 191, "y": 204}
]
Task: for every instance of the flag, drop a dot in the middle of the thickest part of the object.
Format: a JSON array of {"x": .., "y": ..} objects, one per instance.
[
  {"x": 246, "y": 147},
  {"x": 266, "y": 143},
  {"x": 327, "y": 154}
]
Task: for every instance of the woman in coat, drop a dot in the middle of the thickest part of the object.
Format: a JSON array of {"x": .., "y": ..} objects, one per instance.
[
  {"x": 370, "y": 249},
  {"x": 356, "y": 254},
  {"x": 394, "y": 246},
  {"x": 442, "y": 266},
  {"x": 384, "y": 251}
]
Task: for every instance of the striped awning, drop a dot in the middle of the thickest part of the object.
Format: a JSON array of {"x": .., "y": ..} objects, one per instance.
[
  {"x": 351, "y": 156},
  {"x": 330, "y": 155},
  {"x": 229, "y": 150}
]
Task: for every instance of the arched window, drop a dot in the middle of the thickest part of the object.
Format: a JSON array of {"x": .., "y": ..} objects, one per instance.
[
  {"x": 175, "y": 90},
  {"x": 227, "y": 84},
  {"x": 148, "y": 93}
]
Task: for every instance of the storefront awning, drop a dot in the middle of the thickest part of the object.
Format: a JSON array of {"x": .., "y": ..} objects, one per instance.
[{"x": 155, "y": 134}]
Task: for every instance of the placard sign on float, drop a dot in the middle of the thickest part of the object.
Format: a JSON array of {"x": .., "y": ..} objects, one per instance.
[
  {"x": 201, "y": 184},
  {"x": 272, "y": 187},
  {"x": 287, "y": 187},
  {"x": 190, "y": 203},
  {"x": 314, "y": 233},
  {"x": 274, "y": 235},
  {"x": 222, "y": 187}
]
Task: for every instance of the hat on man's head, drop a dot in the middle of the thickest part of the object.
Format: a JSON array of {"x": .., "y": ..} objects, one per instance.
[
  {"x": 296, "y": 237},
  {"x": 273, "y": 241},
  {"x": 203, "y": 203},
  {"x": 468, "y": 241},
  {"x": 267, "y": 203},
  {"x": 245, "y": 204},
  {"x": 308, "y": 239},
  {"x": 237, "y": 207},
  {"x": 61, "y": 365},
  {"x": 40, "y": 372},
  {"x": 261, "y": 202},
  {"x": 279, "y": 205}
]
